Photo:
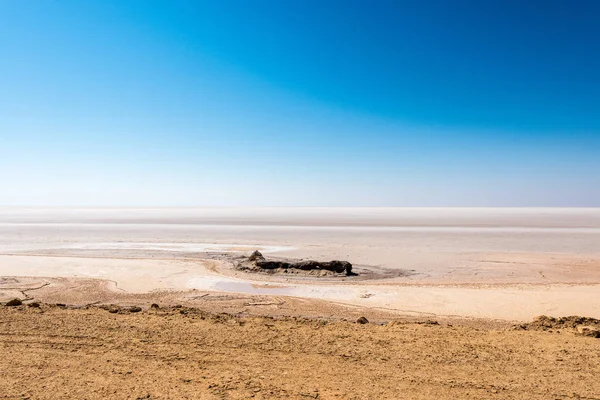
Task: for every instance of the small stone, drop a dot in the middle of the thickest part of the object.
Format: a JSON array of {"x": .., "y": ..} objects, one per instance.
[
  {"x": 362, "y": 321},
  {"x": 34, "y": 304},
  {"x": 135, "y": 309},
  {"x": 154, "y": 306}
]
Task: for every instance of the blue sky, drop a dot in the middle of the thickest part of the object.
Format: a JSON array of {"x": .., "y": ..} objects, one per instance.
[{"x": 300, "y": 103}]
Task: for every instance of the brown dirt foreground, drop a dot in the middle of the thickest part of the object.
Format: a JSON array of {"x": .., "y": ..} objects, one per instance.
[{"x": 55, "y": 352}]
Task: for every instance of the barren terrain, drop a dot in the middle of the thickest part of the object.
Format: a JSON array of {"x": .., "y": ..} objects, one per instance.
[
  {"x": 447, "y": 293},
  {"x": 179, "y": 353}
]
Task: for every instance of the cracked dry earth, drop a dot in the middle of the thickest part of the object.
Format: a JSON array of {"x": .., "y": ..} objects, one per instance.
[{"x": 183, "y": 353}]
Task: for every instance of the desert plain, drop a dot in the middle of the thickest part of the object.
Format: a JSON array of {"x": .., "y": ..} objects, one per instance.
[{"x": 449, "y": 295}]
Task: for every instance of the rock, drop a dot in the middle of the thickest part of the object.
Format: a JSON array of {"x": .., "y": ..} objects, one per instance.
[
  {"x": 349, "y": 269},
  {"x": 34, "y": 304},
  {"x": 362, "y": 321},
  {"x": 256, "y": 261},
  {"x": 271, "y": 264},
  {"x": 339, "y": 266},
  {"x": 154, "y": 306},
  {"x": 334, "y": 266},
  {"x": 588, "y": 331},
  {"x": 256, "y": 256},
  {"x": 13, "y": 303},
  {"x": 113, "y": 309},
  {"x": 306, "y": 265},
  {"x": 135, "y": 309}
]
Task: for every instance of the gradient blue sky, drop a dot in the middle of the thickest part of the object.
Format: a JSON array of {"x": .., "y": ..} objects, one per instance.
[{"x": 316, "y": 103}]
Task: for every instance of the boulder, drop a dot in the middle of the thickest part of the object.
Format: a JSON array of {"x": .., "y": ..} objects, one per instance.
[{"x": 362, "y": 321}]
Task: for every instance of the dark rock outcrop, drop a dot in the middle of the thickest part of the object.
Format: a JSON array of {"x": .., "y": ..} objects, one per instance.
[
  {"x": 336, "y": 266},
  {"x": 264, "y": 264},
  {"x": 13, "y": 303},
  {"x": 362, "y": 321}
]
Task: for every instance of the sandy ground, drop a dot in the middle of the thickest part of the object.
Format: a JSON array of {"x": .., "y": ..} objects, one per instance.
[
  {"x": 442, "y": 290},
  {"x": 511, "y": 264},
  {"x": 178, "y": 353}
]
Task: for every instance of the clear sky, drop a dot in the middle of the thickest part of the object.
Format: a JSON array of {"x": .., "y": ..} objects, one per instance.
[{"x": 300, "y": 103}]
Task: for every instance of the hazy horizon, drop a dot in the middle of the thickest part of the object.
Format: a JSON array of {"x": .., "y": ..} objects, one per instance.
[
  {"x": 91, "y": 207},
  {"x": 410, "y": 104}
]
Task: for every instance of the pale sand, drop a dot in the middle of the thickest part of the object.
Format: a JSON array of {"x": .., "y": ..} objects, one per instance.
[{"x": 509, "y": 264}]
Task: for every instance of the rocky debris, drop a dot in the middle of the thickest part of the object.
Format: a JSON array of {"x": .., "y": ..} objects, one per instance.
[
  {"x": 588, "y": 331},
  {"x": 428, "y": 322},
  {"x": 572, "y": 321},
  {"x": 135, "y": 309},
  {"x": 362, "y": 321},
  {"x": 257, "y": 262},
  {"x": 113, "y": 309},
  {"x": 582, "y": 325},
  {"x": 35, "y": 304},
  {"x": 13, "y": 303}
]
